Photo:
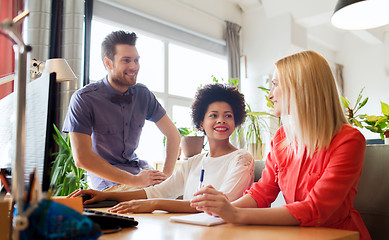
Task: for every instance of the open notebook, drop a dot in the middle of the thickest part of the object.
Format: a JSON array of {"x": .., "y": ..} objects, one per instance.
[{"x": 198, "y": 219}]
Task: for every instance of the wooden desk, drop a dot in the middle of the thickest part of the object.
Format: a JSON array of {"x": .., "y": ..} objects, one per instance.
[{"x": 157, "y": 226}]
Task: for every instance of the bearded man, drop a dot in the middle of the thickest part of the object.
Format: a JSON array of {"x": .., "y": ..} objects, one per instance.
[{"x": 105, "y": 120}]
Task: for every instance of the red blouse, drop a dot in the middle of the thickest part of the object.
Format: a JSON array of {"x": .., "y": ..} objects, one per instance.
[{"x": 318, "y": 191}]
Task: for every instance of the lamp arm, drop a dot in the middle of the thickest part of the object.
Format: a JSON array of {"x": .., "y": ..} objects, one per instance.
[
  {"x": 10, "y": 27},
  {"x": 21, "y": 50}
]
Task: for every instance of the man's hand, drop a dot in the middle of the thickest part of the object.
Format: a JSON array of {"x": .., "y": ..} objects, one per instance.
[{"x": 148, "y": 177}]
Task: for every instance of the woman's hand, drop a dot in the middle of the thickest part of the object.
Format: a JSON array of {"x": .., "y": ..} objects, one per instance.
[
  {"x": 95, "y": 196},
  {"x": 214, "y": 203},
  {"x": 135, "y": 206}
]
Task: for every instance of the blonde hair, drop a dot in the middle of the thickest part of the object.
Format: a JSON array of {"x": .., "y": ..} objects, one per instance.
[{"x": 311, "y": 112}]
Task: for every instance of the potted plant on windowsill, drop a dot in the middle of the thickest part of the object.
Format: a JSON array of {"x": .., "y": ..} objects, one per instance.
[
  {"x": 192, "y": 142},
  {"x": 252, "y": 131},
  {"x": 379, "y": 124}
]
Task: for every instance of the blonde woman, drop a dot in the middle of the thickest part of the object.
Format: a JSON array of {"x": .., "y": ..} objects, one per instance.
[{"x": 316, "y": 157}]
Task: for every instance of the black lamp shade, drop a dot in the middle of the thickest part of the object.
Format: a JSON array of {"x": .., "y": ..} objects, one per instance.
[
  {"x": 360, "y": 14},
  {"x": 344, "y": 3}
]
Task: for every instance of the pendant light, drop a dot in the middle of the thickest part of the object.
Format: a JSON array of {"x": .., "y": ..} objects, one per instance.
[{"x": 360, "y": 14}]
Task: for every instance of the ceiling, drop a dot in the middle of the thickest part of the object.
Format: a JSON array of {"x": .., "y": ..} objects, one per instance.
[{"x": 314, "y": 15}]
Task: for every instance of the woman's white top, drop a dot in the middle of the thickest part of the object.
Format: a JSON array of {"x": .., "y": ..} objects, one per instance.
[{"x": 231, "y": 174}]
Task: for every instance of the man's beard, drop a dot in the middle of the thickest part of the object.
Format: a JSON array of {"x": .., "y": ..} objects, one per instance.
[{"x": 120, "y": 80}]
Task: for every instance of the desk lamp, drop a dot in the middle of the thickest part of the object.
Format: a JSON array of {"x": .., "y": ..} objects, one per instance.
[
  {"x": 62, "y": 69},
  {"x": 360, "y": 14}
]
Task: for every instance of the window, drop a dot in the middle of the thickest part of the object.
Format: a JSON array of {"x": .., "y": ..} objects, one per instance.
[
  {"x": 188, "y": 68},
  {"x": 171, "y": 70}
]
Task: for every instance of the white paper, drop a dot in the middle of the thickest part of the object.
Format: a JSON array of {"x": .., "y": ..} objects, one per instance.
[{"x": 198, "y": 219}]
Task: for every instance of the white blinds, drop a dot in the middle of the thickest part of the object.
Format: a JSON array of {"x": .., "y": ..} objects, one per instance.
[{"x": 127, "y": 17}]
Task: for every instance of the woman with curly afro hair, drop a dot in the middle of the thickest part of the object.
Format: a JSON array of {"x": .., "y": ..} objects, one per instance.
[
  {"x": 217, "y": 109},
  {"x": 218, "y": 93}
]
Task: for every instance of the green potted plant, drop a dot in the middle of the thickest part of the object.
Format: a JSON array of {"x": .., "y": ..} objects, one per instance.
[
  {"x": 351, "y": 111},
  {"x": 191, "y": 141},
  {"x": 376, "y": 124},
  {"x": 256, "y": 126},
  {"x": 379, "y": 124},
  {"x": 65, "y": 177},
  {"x": 253, "y": 130}
]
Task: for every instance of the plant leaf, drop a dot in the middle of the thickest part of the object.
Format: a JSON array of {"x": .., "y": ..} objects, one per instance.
[
  {"x": 359, "y": 98},
  {"x": 65, "y": 175},
  {"x": 373, "y": 129},
  {"x": 357, "y": 123},
  {"x": 372, "y": 118},
  {"x": 184, "y": 131},
  {"x": 65, "y": 187},
  {"x": 72, "y": 185},
  {"x": 54, "y": 176},
  {"x": 385, "y": 109},
  {"x": 266, "y": 90},
  {"x": 345, "y": 102},
  {"x": 363, "y": 103},
  {"x": 233, "y": 81},
  {"x": 57, "y": 190},
  {"x": 382, "y": 136}
]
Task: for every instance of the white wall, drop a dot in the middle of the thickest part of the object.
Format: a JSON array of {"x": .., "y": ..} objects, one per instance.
[{"x": 264, "y": 40}]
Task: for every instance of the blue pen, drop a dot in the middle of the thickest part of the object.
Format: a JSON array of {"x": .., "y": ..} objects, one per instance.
[{"x": 201, "y": 177}]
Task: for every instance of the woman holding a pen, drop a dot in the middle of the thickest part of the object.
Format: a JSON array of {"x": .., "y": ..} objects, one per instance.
[
  {"x": 217, "y": 109},
  {"x": 316, "y": 157}
]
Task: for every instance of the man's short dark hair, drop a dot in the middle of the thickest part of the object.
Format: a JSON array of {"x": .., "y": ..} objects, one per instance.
[
  {"x": 217, "y": 92},
  {"x": 114, "y": 38}
]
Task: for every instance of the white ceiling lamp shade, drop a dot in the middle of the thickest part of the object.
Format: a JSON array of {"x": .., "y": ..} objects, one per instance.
[
  {"x": 360, "y": 14},
  {"x": 61, "y": 67}
]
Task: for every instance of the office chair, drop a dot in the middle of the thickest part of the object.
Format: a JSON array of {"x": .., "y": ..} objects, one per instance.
[
  {"x": 259, "y": 166},
  {"x": 372, "y": 199}
]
